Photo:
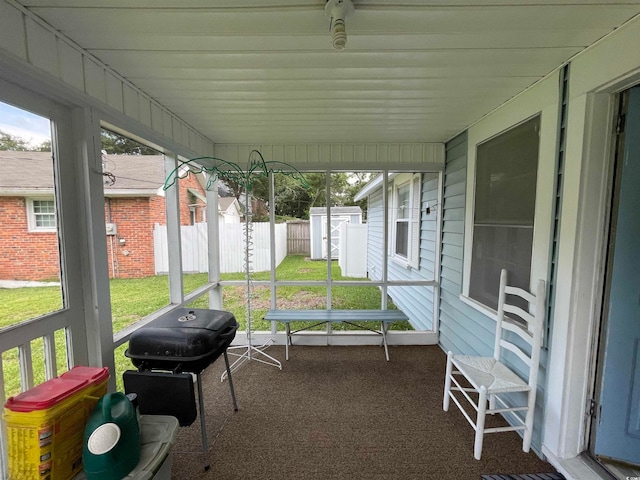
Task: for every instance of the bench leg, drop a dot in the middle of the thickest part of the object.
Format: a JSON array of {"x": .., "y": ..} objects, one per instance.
[
  {"x": 384, "y": 339},
  {"x": 287, "y": 341}
]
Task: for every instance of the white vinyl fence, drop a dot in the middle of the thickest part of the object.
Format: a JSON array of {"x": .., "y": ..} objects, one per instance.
[
  {"x": 352, "y": 257},
  {"x": 232, "y": 247}
]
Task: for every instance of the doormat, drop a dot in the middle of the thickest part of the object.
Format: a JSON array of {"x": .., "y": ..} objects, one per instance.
[{"x": 533, "y": 476}]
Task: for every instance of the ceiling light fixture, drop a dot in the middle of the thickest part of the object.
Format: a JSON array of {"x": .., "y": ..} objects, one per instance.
[{"x": 337, "y": 11}]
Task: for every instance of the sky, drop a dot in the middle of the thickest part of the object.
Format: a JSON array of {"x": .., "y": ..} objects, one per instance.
[{"x": 33, "y": 128}]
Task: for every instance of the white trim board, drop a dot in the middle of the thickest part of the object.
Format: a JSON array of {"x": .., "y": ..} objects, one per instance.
[
  {"x": 584, "y": 211},
  {"x": 341, "y": 338}
]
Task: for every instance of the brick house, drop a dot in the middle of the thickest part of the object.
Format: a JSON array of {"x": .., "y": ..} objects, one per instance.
[{"x": 134, "y": 204}]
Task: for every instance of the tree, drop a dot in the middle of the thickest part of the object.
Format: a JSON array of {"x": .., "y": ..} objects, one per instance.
[
  {"x": 357, "y": 181},
  {"x": 294, "y": 200},
  {"x": 19, "y": 144},
  {"x": 44, "y": 146},
  {"x": 119, "y": 145},
  {"x": 111, "y": 143}
]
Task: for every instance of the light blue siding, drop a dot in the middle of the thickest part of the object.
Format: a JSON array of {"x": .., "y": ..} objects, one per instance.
[
  {"x": 375, "y": 239},
  {"x": 417, "y": 302},
  {"x": 464, "y": 329}
]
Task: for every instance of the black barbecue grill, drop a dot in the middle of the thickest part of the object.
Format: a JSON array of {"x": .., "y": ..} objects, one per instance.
[{"x": 167, "y": 351}]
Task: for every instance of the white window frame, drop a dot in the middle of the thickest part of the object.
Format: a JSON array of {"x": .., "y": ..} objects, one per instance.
[
  {"x": 519, "y": 231},
  {"x": 67, "y": 131},
  {"x": 32, "y": 223},
  {"x": 543, "y": 101},
  {"x": 413, "y": 181}
]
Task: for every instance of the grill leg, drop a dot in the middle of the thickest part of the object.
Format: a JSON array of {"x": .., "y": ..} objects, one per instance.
[
  {"x": 203, "y": 426},
  {"x": 233, "y": 393}
]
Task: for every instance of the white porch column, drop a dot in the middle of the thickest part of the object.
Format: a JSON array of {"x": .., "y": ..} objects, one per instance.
[
  {"x": 213, "y": 241},
  {"x": 172, "y": 206},
  {"x": 95, "y": 347}
]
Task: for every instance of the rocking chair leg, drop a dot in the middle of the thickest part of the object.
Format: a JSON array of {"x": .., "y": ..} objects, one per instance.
[
  {"x": 528, "y": 433},
  {"x": 480, "y": 419},
  {"x": 447, "y": 382}
]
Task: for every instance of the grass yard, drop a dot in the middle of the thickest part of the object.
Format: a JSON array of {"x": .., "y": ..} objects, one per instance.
[
  {"x": 299, "y": 268},
  {"x": 133, "y": 299}
]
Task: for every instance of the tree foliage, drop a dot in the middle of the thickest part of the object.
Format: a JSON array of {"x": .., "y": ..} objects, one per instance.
[
  {"x": 119, "y": 145},
  {"x": 294, "y": 200},
  {"x": 111, "y": 143},
  {"x": 19, "y": 144}
]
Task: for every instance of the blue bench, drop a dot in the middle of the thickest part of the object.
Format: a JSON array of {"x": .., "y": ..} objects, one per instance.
[{"x": 385, "y": 317}]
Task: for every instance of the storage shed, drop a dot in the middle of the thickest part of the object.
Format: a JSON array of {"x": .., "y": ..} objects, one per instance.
[{"x": 318, "y": 228}]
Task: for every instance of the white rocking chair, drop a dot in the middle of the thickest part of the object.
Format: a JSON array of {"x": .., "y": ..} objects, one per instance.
[{"x": 489, "y": 378}]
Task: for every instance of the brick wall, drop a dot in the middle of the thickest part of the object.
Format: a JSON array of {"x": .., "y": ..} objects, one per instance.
[
  {"x": 28, "y": 255},
  {"x": 25, "y": 255},
  {"x": 190, "y": 182},
  {"x": 135, "y": 219},
  {"x": 130, "y": 252}
]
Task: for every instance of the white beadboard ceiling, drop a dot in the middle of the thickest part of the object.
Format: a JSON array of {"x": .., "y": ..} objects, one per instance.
[{"x": 254, "y": 71}]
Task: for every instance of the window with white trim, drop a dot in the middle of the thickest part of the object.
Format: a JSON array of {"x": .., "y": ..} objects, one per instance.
[
  {"x": 41, "y": 215},
  {"x": 405, "y": 218},
  {"x": 504, "y": 210}
]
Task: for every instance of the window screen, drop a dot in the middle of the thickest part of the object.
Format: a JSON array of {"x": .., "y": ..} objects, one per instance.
[{"x": 505, "y": 196}]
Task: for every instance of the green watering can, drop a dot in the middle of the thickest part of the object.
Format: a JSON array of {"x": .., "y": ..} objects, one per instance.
[{"x": 111, "y": 439}]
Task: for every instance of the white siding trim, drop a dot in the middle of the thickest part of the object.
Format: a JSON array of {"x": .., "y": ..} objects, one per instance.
[
  {"x": 580, "y": 254},
  {"x": 346, "y": 338},
  {"x": 414, "y": 227},
  {"x": 340, "y": 157}
]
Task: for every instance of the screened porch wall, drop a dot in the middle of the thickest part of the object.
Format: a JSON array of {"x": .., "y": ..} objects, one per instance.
[{"x": 416, "y": 301}]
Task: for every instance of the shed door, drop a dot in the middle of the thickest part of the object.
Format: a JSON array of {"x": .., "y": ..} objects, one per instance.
[
  {"x": 618, "y": 428},
  {"x": 335, "y": 235}
]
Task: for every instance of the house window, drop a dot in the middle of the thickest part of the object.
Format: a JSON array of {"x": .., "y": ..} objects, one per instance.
[
  {"x": 193, "y": 208},
  {"x": 403, "y": 212},
  {"x": 405, "y": 243},
  {"x": 504, "y": 210},
  {"x": 41, "y": 215}
]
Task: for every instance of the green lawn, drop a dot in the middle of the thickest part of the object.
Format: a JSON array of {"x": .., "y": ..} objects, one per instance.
[
  {"x": 19, "y": 304},
  {"x": 133, "y": 299}
]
